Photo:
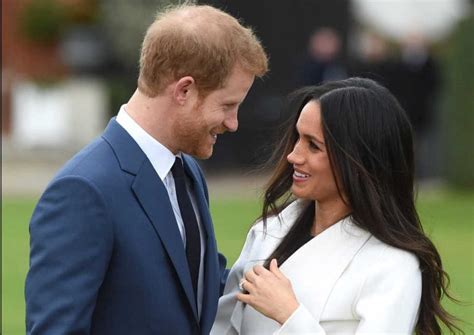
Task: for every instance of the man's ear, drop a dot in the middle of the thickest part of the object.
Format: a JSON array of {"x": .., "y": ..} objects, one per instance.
[{"x": 183, "y": 89}]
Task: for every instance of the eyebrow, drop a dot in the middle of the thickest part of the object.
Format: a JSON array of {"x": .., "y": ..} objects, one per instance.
[
  {"x": 314, "y": 139},
  {"x": 310, "y": 137}
]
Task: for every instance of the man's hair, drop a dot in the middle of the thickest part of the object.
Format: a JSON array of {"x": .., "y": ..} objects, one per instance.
[{"x": 198, "y": 41}]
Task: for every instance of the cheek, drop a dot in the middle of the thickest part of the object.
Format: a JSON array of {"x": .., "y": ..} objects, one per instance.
[
  {"x": 322, "y": 173},
  {"x": 319, "y": 164},
  {"x": 212, "y": 117}
]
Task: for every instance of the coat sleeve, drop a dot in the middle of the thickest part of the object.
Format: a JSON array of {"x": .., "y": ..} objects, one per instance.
[
  {"x": 223, "y": 271},
  {"x": 71, "y": 242},
  {"x": 301, "y": 322}
]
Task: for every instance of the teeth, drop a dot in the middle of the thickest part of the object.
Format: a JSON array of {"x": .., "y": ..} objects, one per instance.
[{"x": 300, "y": 175}]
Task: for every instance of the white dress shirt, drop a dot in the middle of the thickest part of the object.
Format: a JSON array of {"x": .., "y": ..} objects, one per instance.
[{"x": 162, "y": 160}]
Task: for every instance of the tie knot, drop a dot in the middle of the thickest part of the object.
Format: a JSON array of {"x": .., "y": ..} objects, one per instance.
[{"x": 177, "y": 168}]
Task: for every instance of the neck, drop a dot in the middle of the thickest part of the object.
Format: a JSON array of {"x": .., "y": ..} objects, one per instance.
[
  {"x": 328, "y": 213},
  {"x": 154, "y": 116}
]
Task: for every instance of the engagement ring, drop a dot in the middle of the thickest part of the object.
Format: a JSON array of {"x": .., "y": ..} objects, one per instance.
[{"x": 241, "y": 285}]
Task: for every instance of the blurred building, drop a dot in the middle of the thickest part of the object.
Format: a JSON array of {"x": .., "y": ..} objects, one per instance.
[{"x": 52, "y": 97}]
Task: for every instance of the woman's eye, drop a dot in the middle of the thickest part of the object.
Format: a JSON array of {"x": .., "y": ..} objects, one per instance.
[{"x": 313, "y": 146}]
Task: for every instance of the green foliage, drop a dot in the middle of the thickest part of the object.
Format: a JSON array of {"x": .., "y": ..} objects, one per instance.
[
  {"x": 458, "y": 118},
  {"x": 42, "y": 21},
  {"x": 448, "y": 218}
]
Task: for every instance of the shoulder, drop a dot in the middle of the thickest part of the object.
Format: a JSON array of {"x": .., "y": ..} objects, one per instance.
[
  {"x": 261, "y": 241},
  {"x": 95, "y": 165},
  {"x": 278, "y": 225},
  {"x": 95, "y": 158},
  {"x": 385, "y": 257}
]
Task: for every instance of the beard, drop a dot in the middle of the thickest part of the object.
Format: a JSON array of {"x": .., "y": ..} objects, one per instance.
[{"x": 194, "y": 135}]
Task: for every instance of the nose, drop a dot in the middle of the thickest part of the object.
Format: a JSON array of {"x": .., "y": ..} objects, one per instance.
[
  {"x": 231, "y": 123},
  {"x": 295, "y": 156}
]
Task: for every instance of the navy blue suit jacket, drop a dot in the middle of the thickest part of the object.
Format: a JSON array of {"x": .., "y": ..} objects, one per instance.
[{"x": 106, "y": 254}]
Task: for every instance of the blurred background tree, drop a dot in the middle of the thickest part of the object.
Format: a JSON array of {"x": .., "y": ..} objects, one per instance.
[
  {"x": 124, "y": 25},
  {"x": 458, "y": 116},
  {"x": 43, "y": 21}
]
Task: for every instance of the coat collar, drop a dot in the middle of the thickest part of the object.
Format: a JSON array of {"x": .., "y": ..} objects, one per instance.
[{"x": 127, "y": 151}]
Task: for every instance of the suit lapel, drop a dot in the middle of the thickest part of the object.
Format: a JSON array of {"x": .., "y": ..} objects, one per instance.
[
  {"x": 211, "y": 272},
  {"x": 201, "y": 201},
  {"x": 154, "y": 199}
]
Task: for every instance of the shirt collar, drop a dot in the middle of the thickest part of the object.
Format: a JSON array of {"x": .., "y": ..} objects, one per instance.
[{"x": 160, "y": 157}]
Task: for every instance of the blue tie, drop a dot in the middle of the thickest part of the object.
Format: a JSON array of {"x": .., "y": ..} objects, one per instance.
[{"x": 193, "y": 240}]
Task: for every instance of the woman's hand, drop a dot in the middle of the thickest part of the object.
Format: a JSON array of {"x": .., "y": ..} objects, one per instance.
[{"x": 269, "y": 292}]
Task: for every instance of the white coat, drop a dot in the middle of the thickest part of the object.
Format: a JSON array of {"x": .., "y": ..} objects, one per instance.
[{"x": 346, "y": 281}]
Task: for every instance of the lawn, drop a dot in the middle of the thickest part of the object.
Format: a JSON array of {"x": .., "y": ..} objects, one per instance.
[{"x": 448, "y": 217}]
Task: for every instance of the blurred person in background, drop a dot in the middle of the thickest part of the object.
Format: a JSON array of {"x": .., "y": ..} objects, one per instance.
[
  {"x": 418, "y": 81},
  {"x": 374, "y": 60},
  {"x": 122, "y": 240},
  {"x": 339, "y": 248},
  {"x": 322, "y": 62},
  {"x": 412, "y": 76},
  {"x": 416, "y": 85}
]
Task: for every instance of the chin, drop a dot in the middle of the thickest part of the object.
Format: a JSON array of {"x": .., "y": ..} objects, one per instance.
[
  {"x": 297, "y": 193},
  {"x": 301, "y": 193},
  {"x": 203, "y": 154}
]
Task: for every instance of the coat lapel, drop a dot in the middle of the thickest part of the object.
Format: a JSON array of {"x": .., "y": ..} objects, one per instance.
[{"x": 317, "y": 265}]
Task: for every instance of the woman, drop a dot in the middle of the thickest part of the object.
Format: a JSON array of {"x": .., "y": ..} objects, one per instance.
[{"x": 349, "y": 255}]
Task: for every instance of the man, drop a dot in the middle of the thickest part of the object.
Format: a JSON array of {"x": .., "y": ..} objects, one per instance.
[{"x": 122, "y": 241}]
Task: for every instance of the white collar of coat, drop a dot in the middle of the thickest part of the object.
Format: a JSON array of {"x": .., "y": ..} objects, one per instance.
[{"x": 318, "y": 264}]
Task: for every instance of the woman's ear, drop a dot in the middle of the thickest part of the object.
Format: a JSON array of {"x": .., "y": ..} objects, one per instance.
[{"x": 183, "y": 88}]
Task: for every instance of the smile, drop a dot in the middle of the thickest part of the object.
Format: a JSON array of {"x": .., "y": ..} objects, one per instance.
[{"x": 299, "y": 175}]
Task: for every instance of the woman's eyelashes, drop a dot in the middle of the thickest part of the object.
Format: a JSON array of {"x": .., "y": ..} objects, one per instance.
[{"x": 313, "y": 146}]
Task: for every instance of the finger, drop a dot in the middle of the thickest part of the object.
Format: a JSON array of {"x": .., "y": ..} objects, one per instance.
[
  {"x": 260, "y": 270},
  {"x": 245, "y": 298},
  {"x": 250, "y": 276},
  {"x": 247, "y": 286},
  {"x": 275, "y": 269}
]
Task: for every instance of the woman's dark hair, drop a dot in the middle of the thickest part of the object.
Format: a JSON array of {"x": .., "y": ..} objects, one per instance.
[{"x": 369, "y": 142}]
